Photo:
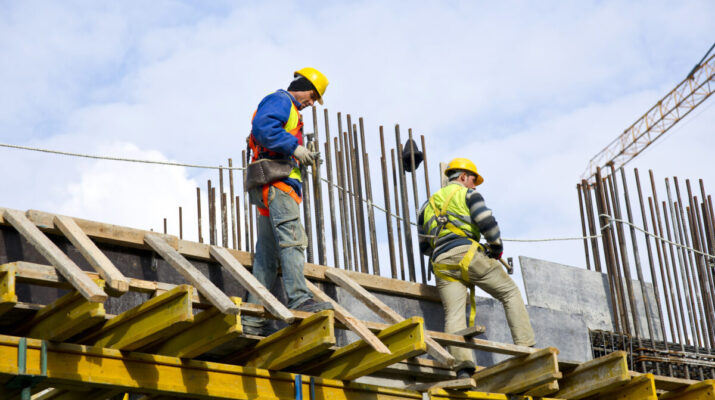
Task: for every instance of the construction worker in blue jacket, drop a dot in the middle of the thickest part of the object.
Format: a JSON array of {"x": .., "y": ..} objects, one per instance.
[
  {"x": 277, "y": 133},
  {"x": 450, "y": 225}
]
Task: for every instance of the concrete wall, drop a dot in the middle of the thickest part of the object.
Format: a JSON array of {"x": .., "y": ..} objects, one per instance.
[{"x": 581, "y": 292}]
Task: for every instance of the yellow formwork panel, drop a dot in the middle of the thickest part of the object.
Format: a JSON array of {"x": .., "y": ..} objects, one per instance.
[
  {"x": 594, "y": 377},
  {"x": 147, "y": 323},
  {"x": 95, "y": 367},
  {"x": 519, "y": 374},
  {"x": 704, "y": 390},
  {"x": 639, "y": 388},
  {"x": 65, "y": 317},
  {"x": 441, "y": 394},
  {"x": 294, "y": 344},
  {"x": 405, "y": 339},
  {"x": 8, "y": 298},
  {"x": 209, "y": 330}
]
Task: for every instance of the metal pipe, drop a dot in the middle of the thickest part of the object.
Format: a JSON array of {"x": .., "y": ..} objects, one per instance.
[
  {"x": 370, "y": 209},
  {"x": 233, "y": 204},
  {"x": 397, "y": 213},
  {"x": 388, "y": 206},
  {"x": 609, "y": 258},
  {"x": 357, "y": 182},
  {"x": 405, "y": 210},
  {"x": 198, "y": 212},
  {"x": 416, "y": 202},
  {"x": 331, "y": 203},
  {"x": 591, "y": 224},
  {"x": 636, "y": 256},
  {"x": 583, "y": 226},
  {"x": 428, "y": 193},
  {"x": 318, "y": 194}
]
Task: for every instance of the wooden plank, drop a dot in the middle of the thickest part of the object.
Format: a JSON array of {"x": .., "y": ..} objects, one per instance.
[
  {"x": 354, "y": 324},
  {"x": 442, "y": 394},
  {"x": 595, "y": 376},
  {"x": 453, "y": 384},
  {"x": 64, "y": 318},
  {"x": 8, "y": 297},
  {"x": 544, "y": 390},
  {"x": 471, "y": 331},
  {"x": 667, "y": 383},
  {"x": 218, "y": 298},
  {"x": 210, "y": 329},
  {"x": 248, "y": 281},
  {"x": 147, "y": 323},
  {"x": 404, "y": 339},
  {"x": 115, "y": 280},
  {"x": 533, "y": 370},
  {"x": 638, "y": 388},
  {"x": 381, "y": 309},
  {"x": 704, "y": 390},
  {"x": 55, "y": 256},
  {"x": 292, "y": 345}
]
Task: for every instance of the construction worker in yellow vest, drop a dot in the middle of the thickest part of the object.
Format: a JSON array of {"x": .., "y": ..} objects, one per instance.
[
  {"x": 277, "y": 135},
  {"x": 450, "y": 225}
]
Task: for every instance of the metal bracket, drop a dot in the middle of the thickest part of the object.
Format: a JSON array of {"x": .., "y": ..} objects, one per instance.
[{"x": 23, "y": 380}]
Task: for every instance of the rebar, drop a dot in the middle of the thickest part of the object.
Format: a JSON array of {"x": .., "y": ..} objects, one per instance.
[{"x": 388, "y": 206}]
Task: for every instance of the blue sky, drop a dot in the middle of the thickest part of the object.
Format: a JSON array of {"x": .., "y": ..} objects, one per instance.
[{"x": 529, "y": 90}]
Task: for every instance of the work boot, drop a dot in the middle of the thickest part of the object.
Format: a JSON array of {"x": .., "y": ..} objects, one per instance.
[
  {"x": 465, "y": 373},
  {"x": 260, "y": 327},
  {"x": 311, "y": 305}
]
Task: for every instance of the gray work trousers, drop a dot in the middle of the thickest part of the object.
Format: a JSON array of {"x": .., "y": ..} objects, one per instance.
[{"x": 489, "y": 275}]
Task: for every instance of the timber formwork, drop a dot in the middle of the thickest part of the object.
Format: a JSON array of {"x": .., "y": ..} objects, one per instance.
[{"x": 99, "y": 331}]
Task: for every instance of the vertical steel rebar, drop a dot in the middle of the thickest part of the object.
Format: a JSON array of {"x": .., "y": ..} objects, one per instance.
[
  {"x": 246, "y": 206},
  {"x": 388, "y": 206},
  {"x": 618, "y": 278},
  {"x": 233, "y": 204},
  {"x": 212, "y": 239},
  {"x": 357, "y": 182},
  {"x": 352, "y": 200},
  {"x": 665, "y": 279},
  {"x": 181, "y": 224},
  {"x": 331, "y": 203},
  {"x": 708, "y": 243},
  {"x": 676, "y": 279},
  {"x": 591, "y": 224},
  {"x": 215, "y": 222},
  {"x": 405, "y": 210},
  {"x": 198, "y": 213},
  {"x": 307, "y": 208},
  {"x": 222, "y": 200},
  {"x": 688, "y": 232},
  {"x": 318, "y": 194},
  {"x": 705, "y": 285},
  {"x": 342, "y": 206},
  {"x": 701, "y": 288},
  {"x": 165, "y": 231},
  {"x": 397, "y": 213},
  {"x": 583, "y": 226},
  {"x": 609, "y": 257},
  {"x": 238, "y": 222},
  {"x": 416, "y": 201},
  {"x": 370, "y": 208},
  {"x": 428, "y": 193}
]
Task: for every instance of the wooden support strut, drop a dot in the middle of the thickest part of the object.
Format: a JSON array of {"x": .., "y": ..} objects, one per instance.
[
  {"x": 533, "y": 370},
  {"x": 248, "y": 281},
  {"x": 114, "y": 278},
  {"x": 55, "y": 256},
  {"x": 218, "y": 298},
  {"x": 372, "y": 302}
]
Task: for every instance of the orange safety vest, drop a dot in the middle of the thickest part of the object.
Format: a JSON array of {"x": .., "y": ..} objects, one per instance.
[{"x": 294, "y": 126}]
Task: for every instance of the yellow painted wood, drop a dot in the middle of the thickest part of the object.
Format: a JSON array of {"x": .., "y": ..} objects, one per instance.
[
  {"x": 94, "y": 367},
  {"x": 704, "y": 390},
  {"x": 533, "y": 370},
  {"x": 294, "y": 344},
  {"x": 405, "y": 339},
  {"x": 638, "y": 388},
  {"x": 61, "y": 394},
  {"x": 544, "y": 390},
  {"x": 8, "y": 298},
  {"x": 65, "y": 317},
  {"x": 210, "y": 329},
  {"x": 147, "y": 323},
  {"x": 441, "y": 394},
  {"x": 595, "y": 376}
]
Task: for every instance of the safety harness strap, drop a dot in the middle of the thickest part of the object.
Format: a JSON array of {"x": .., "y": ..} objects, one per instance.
[
  {"x": 463, "y": 266},
  {"x": 281, "y": 186}
]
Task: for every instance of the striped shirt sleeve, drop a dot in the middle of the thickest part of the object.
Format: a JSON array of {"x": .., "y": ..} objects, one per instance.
[
  {"x": 423, "y": 240},
  {"x": 482, "y": 216}
]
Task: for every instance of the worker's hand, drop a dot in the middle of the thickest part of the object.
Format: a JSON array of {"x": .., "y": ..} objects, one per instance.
[
  {"x": 304, "y": 155},
  {"x": 496, "y": 249}
]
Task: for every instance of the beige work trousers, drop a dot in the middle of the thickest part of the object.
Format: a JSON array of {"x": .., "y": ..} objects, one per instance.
[{"x": 489, "y": 275}]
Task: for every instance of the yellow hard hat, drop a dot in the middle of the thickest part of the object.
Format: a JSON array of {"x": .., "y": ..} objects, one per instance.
[
  {"x": 316, "y": 78},
  {"x": 466, "y": 165}
]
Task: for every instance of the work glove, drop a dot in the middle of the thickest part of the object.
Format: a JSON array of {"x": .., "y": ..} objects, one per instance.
[
  {"x": 304, "y": 155},
  {"x": 496, "y": 249}
]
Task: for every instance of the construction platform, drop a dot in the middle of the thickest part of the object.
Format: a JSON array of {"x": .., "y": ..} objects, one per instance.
[{"x": 96, "y": 311}]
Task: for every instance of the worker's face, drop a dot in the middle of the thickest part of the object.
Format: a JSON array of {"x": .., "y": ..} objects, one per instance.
[
  {"x": 306, "y": 98},
  {"x": 468, "y": 180}
]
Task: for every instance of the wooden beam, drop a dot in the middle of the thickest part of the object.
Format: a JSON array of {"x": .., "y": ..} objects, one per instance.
[
  {"x": 533, "y": 370},
  {"x": 471, "y": 331},
  {"x": 248, "y": 281},
  {"x": 64, "y": 318},
  {"x": 595, "y": 376},
  {"x": 8, "y": 297},
  {"x": 638, "y": 388},
  {"x": 453, "y": 384},
  {"x": 544, "y": 390},
  {"x": 404, "y": 339},
  {"x": 192, "y": 275},
  {"x": 381, "y": 309},
  {"x": 210, "y": 329},
  {"x": 55, "y": 256},
  {"x": 115, "y": 280},
  {"x": 94, "y": 367},
  {"x": 704, "y": 390},
  {"x": 147, "y": 323},
  {"x": 354, "y": 324},
  {"x": 292, "y": 345},
  {"x": 442, "y": 394}
]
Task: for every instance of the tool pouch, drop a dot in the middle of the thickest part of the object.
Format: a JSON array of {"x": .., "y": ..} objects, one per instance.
[{"x": 265, "y": 171}]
